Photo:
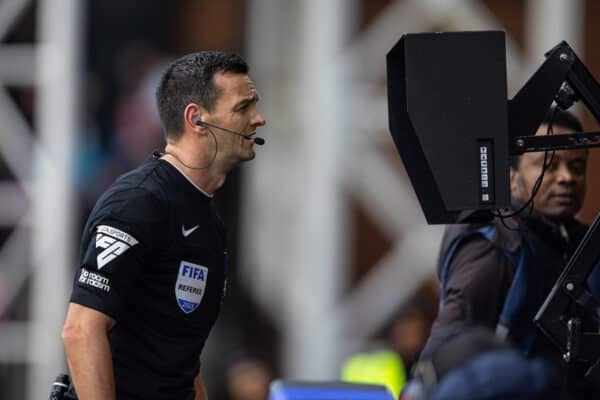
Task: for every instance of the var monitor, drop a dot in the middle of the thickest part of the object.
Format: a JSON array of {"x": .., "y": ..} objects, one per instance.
[{"x": 448, "y": 117}]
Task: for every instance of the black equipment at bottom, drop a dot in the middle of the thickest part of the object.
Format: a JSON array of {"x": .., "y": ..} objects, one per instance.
[
  {"x": 61, "y": 389},
  {"x": 570, "y": 315}
]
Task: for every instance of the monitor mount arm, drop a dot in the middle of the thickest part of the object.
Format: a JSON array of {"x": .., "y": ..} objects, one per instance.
[
  {"x": 570, "y": 314},
  {"x": 563, "y": 78}
]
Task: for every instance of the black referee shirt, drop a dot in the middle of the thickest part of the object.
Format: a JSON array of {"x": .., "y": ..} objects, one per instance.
[{"x": 153, "y": 258}]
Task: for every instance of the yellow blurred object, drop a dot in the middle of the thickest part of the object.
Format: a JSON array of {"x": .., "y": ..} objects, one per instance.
[{"x": 382, "y": 367}]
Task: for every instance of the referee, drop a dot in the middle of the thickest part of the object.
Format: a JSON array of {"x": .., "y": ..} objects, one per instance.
[{"x": 153, "y": 260}]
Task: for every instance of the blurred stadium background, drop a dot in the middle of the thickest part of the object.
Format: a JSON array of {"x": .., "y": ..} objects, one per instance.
[{"x": 329, "y": 246}]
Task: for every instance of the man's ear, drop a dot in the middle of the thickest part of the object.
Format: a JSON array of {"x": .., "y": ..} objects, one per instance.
[{"x": 191, "y": 115}]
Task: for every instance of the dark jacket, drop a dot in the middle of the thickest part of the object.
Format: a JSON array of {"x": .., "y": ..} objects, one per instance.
[{"x": 479, "y": 275}]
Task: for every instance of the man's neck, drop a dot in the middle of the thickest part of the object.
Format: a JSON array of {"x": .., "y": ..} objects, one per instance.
[{"x": 202, "y": 171}]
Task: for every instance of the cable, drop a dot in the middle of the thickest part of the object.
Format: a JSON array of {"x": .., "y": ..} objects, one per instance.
[
  {"x": 536, "y": 186},
  {"x": 205, "y": 166}
]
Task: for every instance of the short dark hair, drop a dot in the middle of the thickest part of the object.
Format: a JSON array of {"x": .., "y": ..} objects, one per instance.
[
  {"x": 189, "y": 79},
  {"x": 558, "y": 117}
]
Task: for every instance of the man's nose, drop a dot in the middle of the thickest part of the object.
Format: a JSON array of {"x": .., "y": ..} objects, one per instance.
[
  {"x": 564, "y": 173},
  {"x": 258, "y": 119}
]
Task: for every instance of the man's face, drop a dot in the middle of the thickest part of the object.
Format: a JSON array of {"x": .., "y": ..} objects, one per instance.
[
  {"x": 561, "y": 193},
  {"x": 236, "y": 109}
]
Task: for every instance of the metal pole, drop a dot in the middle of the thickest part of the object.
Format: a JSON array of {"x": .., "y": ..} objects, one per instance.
[
  {"x": 305, "y": 108},
  {"x": 320, "y": 255},
  {"x": 53, "y": 208},
  {"x": 550, "y": 21}
]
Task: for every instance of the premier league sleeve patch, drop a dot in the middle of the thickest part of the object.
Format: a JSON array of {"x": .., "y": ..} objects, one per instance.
[{"x": 190, "y": 285}]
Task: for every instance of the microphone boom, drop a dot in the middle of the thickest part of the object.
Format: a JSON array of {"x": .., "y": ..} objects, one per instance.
[{"x": 258, "y": 140}]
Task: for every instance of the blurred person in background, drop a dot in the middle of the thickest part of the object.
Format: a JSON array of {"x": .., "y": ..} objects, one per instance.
[
  {"x": 379, "y": 367},
  {"x": 248, "y": 377},
  {"x": 388, "y": 357},
  {"x": 474, "y": 364},
  {"x": 153, "y": 264},
  {"x": 408, "y": 334},
  {"x": 498, "y": 275},
  {"x": 136, "y": 123}
]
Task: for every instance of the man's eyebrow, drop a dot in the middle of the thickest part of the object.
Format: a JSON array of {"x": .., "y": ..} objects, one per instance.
[
  {"x": 246, "y": 101},
  {"x": 578, "y": 159}
]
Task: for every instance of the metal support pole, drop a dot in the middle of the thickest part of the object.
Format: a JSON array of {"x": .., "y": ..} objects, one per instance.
[
  {"x": 320, "y": 255},
  {"x": 53, "y": 208},
  {"x": 548, "y": 22},
  {"x": 307, "y": 111}
]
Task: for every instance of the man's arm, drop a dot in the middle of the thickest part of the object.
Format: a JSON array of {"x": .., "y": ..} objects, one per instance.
[
  {"x": 85, "y": 337},
  {"x": 478, "y": 279},
  {"x": 200, "y": 388}
]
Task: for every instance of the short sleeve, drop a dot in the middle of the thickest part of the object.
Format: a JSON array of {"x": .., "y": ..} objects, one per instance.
[{"x": 119, "y": 241}]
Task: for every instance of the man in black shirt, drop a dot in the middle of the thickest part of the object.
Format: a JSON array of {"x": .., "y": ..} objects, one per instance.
[{"x": 153, "y": 257}]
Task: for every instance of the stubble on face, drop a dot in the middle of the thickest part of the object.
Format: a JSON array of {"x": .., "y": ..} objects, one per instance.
[{"x": 235, "y": 109}]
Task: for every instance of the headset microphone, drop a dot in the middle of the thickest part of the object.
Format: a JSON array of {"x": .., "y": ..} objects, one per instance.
[{"x": 258, "y": 140}]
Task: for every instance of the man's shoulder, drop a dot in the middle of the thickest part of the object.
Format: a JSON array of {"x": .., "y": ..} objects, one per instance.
[
  {"x": 506, "y": 234},
  {"x": 142, "y": 191},
  {"x": 149, "y": 177}
]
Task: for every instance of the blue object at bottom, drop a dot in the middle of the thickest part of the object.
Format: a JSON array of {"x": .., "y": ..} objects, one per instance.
[{"x": 282, "y": 390}]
